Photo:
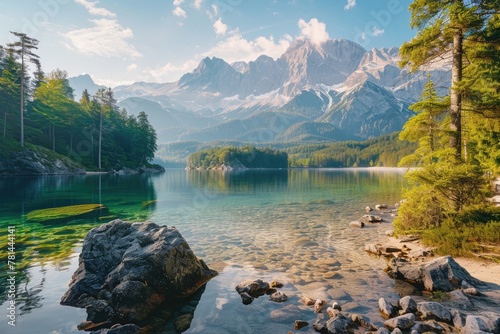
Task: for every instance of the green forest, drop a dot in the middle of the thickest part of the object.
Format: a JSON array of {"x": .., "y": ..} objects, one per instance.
[
  {"x": 384, "y": 151},
  {"x": 39, "y": 109},
  {"x": 458, "y": 135},
  {"x": 247, "y": 156}
]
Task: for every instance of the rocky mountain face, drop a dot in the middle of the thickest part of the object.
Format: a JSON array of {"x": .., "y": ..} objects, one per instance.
[
  {"x": 333, "y": 91},
  {"x": 82, "y": 82}
]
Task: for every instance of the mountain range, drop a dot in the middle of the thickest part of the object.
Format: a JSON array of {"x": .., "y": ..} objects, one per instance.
[{"x": 311, "y": 93}]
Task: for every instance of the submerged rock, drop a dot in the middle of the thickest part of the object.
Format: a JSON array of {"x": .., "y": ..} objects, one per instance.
[
  {"x": 253, "y": 288},
  {"x": 370, "y": 219},
  {"x": 357, "y": 224},
  {"x": 64, "y": 213},
  {"x": 127, "y": 270},
  {"x": 278, "y": 297}
]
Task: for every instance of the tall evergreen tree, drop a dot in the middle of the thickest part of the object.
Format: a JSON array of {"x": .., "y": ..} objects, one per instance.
[
  {"x": 425, "y": 127},
  {"x": 24, "y": 49},
  {"x": 147, "y": 139},
  {"x": 9, "y": 89},
  {"x": 444, "y": 28},
  {"x": 107, "y": 104}
]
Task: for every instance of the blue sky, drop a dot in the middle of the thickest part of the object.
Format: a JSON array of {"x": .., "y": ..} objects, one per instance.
[{"x": 122, "y": 41}]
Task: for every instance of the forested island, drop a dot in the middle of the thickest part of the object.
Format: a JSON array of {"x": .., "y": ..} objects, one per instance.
[
  {"x": 42, "y": 123},
  {"x": 230, "y": 158}
]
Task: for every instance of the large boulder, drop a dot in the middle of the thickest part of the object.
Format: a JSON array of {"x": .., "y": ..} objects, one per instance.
[
  {"x": 127, "y": 270},
  {"x": 443, "y": 273},
  {"x": 339, "y": 324},
  {"x": 433, "y": 310},
  {"x": 487, "y": 322}
]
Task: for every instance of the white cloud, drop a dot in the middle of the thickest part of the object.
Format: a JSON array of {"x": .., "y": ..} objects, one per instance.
[
  {"x": 107, "y": 38},
  {"x": 110, "y": 83},
  {"x": 233, "y": 48},
  {"x": 132, "y": 67},
  {"x": 236, "y": 48},
  {"x": 350, "y": 4},
  {"x": 219, "y": 27},
  {"x": 178, "y": 11},
  {"x": 178, "y": 2},
  {"x": 169, "y": 70},
  {"x": 313, "y": 30},
  {"x": 94, "y": 10},
  {"x": 215, "y": 10},
  {"x": 377, "y": 32},
  {"x": 197, "y": 4}
]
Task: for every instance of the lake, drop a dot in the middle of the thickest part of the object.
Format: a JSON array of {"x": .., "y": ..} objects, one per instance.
[{"x": 287, "y": 225}]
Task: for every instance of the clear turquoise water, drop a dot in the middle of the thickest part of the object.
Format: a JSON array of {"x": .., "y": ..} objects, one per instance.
[{"x": 290, "y": 225}]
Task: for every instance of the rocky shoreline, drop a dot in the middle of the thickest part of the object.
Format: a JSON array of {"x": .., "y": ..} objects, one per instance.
[
  {"x": 453, "y": 302},
  {"x": 46, "y": 162}
]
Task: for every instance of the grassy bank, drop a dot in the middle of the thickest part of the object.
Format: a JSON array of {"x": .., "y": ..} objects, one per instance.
[{"x": 472, "y": 233}]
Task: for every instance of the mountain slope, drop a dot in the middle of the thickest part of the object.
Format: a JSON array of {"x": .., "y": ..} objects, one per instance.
[
  {"x": 346, "y": 89},
  {"x": 82, "y": 82},
  {"x": 367, "y": 110}
]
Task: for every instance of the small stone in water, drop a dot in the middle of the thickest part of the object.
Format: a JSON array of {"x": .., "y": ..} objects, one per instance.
[
  {"x": 318, "y": 305},
  {"x": 307, "y": 301},
  {"x": 246, "y": 298},
  {"x": 276, "y": 284},
  {"x": 279, "y": 297},
  {"x": 336, "y": 306},
  {"x": 300, "y": 324},
  {"x": 331, "y": 312}
]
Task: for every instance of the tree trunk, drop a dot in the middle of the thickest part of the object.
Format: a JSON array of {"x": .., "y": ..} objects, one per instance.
[
  {"x": 22, "y": 93},
  {"x": 431, "y": 132},
  {"x": 92, "y": 143},
  {"x": 455, "y": 95},
  {"x": 4, "y": 124},
  {"x": 100, "y": 140}
]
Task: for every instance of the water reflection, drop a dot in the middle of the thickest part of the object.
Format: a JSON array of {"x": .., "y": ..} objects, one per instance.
[
  {"x": 291, "y": 222},
  {"x": 239, "y": 181},
  {"x": 39, "y": 245}
]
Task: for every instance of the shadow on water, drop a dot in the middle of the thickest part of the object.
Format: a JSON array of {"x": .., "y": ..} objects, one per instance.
[{"x": 130, "y": 197}]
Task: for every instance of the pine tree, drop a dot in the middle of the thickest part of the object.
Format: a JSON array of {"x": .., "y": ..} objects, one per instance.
[
  {"x": 9, "y": 88},
  {"x": 24, "y": 49},
  {"x": 107, "y": 104},
  {"x": 445, "y": 26},
  {"x": 425, "y": 127}
]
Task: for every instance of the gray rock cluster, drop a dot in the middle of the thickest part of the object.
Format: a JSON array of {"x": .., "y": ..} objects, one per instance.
[
  {"x": 433, "y": 317},
  {"x": 127, "y": 271},
  {"x": 371, "y": 219},
  {"x": 442, "y": 274},
  {"x": 249, "y": 290}
]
